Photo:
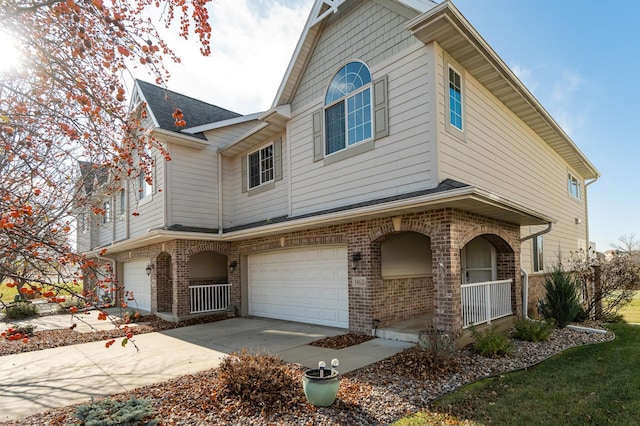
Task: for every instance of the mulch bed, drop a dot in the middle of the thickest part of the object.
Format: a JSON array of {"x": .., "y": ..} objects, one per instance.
[{"x": 341, "y": 341}]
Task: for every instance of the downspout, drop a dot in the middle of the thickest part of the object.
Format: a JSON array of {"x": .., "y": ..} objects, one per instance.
[
  {"x": 525, "y": 275},
  {"x": 220, "y": 198},
  {"x": 586, "y": 211}
]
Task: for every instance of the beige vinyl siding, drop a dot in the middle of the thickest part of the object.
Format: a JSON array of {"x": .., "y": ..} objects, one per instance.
[
  {"x": 501, "y": 154},
  {"x": 400, "y": 163},
  {"x": 223, "y": 136},
  {"x": 151, "y": 213},
  {"x": 241, "y": 208},
  {"x": 194, "y": 187},
  {"x": 363, "y": 31}
]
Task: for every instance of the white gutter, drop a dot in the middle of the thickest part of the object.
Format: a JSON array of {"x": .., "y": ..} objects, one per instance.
[
  {"x": 178, "y": 138},
  {"x": 222, "y": 123}
]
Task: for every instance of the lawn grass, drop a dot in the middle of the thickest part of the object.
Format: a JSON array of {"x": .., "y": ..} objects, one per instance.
[
  {"x": 8, "y": 293},
  {"x": 596, "y": 384},
  {"x": 631, "y": 312}
]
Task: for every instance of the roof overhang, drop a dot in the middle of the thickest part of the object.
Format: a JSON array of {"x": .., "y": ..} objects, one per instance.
[
  {"x": 469, "y": 198},
  {"x": 271, "y": 123},
  {"x": 223, "y": 123},
  {"x": 445, "y": 25},
  {"x": 177, "y": 138}
]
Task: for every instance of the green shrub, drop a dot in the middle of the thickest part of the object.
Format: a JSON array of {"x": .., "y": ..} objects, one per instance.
[
  {"x": 532, "y": 331},
  {"x": 109, "y": 412},
  {"x": 26, "y": 330},
  {"x": 491, "y": 342},
  {"x": 63, "y": 307},
  {"x": 439, "y": 348},
  {"x": 561, "y": 303},
  {"x": 614, "y": 318},
  {"x": 21, "y": 310},
  {"x": 260, "y": 381}
]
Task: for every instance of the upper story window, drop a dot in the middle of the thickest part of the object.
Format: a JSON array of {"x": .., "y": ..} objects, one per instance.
[
  {"x": 106, "y": 206},
  {"x": 144, "y": 188},
  {"x": 455, "y": 99},
  {"x": 573, "y": 186},
  {"x": 538, "y": 254},
  {"x": 82, "y": 222},
  {"x": 261, "y": 166},
  {"x": 123, "y": 201},
  {"x": 348, "y": 108}
]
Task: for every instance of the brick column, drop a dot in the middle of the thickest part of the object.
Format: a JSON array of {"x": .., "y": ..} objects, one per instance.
[
  {"x": 446, "y": 280},
  {"x": 181, "y": 305}
]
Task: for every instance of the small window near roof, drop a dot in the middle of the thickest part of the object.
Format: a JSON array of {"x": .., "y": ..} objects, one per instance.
[
  {"x": 573, "y": 186},
  {"x": 261, "y": 168},
  {"x": 455, "y": 99},
  {"x": 348, "y": 108}
]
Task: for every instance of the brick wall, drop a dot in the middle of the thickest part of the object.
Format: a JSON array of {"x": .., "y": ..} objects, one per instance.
[{"x": 386, "y": 299}]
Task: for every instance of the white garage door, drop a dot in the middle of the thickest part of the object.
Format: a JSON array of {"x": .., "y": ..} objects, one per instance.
[
  {"x": 305, "y": 285},
  {"x": 135, "y": 279}
]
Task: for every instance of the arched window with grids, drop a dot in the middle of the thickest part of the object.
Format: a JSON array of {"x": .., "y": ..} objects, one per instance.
[{"x": 348, "y": 108}]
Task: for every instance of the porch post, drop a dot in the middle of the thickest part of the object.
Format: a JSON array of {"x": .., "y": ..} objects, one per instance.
[
  {"x": 446, "y": 280},
  {"x": 181, "y": 303}
]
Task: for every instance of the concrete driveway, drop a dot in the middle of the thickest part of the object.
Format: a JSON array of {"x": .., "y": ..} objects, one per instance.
[{"x": 36, "y": 381}]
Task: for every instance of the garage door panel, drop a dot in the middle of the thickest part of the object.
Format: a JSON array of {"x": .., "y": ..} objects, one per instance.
[
  {"x": 136, "y": 280},
  {"x": 305, "y": 285}
]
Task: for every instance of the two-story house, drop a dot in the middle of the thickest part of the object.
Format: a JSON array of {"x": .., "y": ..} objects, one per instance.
[{"x": 403, "y": 171}]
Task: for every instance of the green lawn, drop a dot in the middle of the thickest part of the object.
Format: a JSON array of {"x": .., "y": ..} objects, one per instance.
[
  {"x": 596, "y": 384},
  {"x": 631, "y": 312},
  {"x": 9, "y": 293}
]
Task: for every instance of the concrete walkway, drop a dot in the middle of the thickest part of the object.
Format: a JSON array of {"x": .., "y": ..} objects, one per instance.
[{"x": 36, "y": 381}]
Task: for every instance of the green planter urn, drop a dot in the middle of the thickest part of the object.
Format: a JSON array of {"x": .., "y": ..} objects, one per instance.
[{"x": 321, "y": 391}]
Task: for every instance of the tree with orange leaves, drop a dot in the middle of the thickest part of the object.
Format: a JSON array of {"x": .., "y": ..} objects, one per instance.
[{"x": 66, "y": 101}]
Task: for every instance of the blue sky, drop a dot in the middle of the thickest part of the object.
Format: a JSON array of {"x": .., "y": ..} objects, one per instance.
[{"x": 571, "y": 55}]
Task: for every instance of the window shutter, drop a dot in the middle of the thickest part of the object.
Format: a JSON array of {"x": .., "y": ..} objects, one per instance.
[
  {"x": 243, "y": 176},
  {"x": 277, "y": 158},
  {"x": 318, "y": 143},
  {"x": 380, "y": 107}
]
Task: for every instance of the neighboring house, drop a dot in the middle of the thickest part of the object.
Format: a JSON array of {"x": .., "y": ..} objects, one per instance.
[{"x": 403, "y": 171}]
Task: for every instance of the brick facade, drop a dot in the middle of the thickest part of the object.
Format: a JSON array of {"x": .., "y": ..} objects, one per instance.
[{"x": 387, "y": 300}]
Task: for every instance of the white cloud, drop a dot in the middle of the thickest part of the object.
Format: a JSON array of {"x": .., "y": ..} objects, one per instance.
[{"x": 252, "y": 43}]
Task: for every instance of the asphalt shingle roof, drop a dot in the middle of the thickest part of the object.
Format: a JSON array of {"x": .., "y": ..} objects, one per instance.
[{"x": 163, "y": 103}]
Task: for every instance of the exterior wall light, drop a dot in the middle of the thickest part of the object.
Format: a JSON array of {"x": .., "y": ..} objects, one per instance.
[
  {"x": 232, "y": 266},
  {"x": 355, "y": 260},
  {"x": 148, "y": 269}
]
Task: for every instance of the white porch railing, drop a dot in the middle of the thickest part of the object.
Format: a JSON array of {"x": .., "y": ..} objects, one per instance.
[
  {"x": 486, "y": 301},
  {"x": 209, "y": 298}
]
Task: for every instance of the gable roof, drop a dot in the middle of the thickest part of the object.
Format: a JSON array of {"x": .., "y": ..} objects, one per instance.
[
  {"x": 320, "y": 10},
  {"x": 92, "y": 176},
  {"x": 163, "y": 102},
  {"x": 445, "y": 25}
]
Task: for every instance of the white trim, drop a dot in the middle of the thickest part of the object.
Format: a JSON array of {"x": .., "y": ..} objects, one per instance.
[
  {"x": 149, "y": 111},
  {"x": 223, "y": 123},
  {"x": 177, "y": 138}
]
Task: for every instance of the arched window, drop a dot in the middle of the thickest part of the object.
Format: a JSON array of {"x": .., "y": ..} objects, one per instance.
[{"x": 348, "y": 108}]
